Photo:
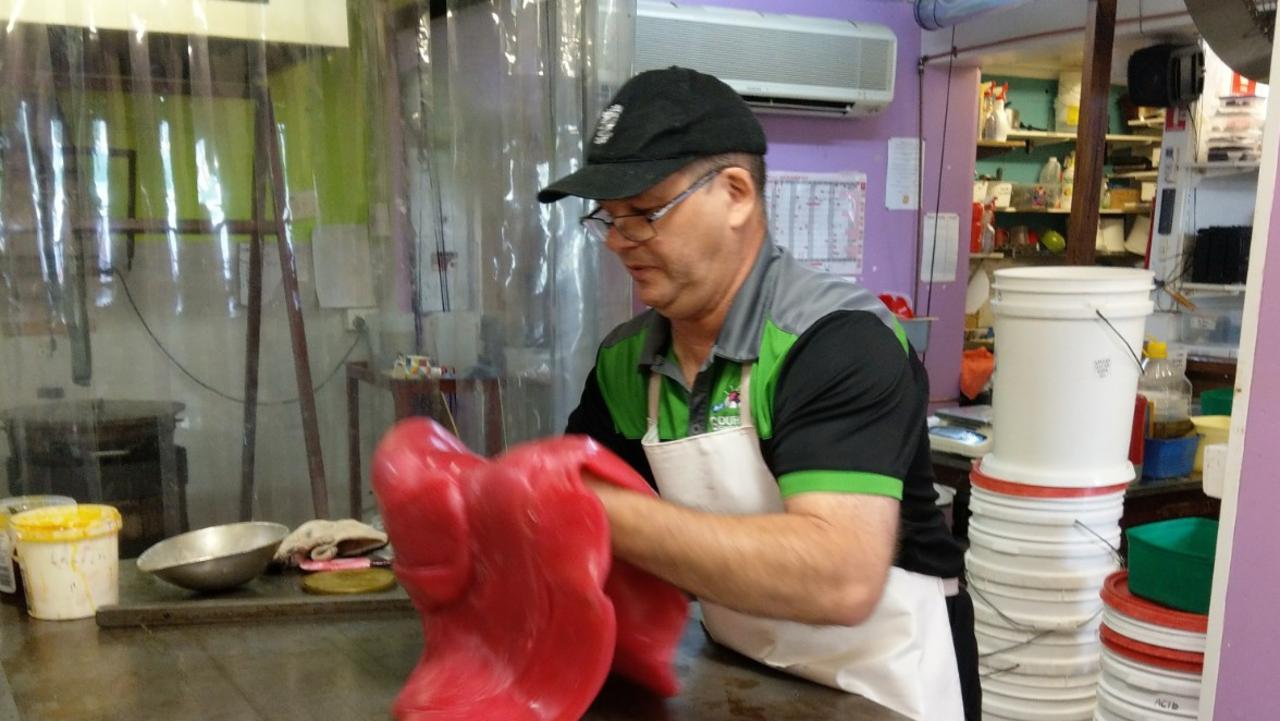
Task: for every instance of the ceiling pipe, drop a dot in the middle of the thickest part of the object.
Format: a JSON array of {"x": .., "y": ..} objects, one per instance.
[{"x": 938, "y": 14}]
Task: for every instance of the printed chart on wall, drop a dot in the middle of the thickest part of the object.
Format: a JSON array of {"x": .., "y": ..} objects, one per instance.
[{"x": 820, "y": 218}]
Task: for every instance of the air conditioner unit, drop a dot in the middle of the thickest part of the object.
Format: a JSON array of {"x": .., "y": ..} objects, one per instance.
[{"x": 778, "y": 63}]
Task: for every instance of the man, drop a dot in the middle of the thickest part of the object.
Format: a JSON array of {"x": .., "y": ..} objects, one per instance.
[{"x": 779, "y": 411}]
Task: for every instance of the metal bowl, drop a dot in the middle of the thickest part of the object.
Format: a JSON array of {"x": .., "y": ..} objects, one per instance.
[{"x": 215, "y": 558}]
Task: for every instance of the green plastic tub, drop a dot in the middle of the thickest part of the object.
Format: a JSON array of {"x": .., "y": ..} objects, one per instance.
[
  {"x": 1171, "y": 562},
  {"x": 1217, "y": 402}
]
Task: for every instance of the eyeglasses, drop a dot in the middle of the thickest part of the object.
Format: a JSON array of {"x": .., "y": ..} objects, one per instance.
[{"x": 638, "y": 227}]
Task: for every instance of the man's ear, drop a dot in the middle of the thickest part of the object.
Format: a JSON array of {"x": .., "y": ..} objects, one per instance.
[{"x": 743, "y": 195}]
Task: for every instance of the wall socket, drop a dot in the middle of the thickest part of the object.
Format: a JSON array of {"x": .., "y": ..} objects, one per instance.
[{"x": 356, "y": 316}]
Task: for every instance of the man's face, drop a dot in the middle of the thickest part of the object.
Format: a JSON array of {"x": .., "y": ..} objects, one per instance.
[{"x": 689, "y": 264}]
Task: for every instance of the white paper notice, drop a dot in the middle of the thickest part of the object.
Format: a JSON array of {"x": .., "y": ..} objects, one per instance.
[
  {"x": 940, "y": 247},
  {"x": 902, "y": 181},
  {"x": 344, "y": 271},
  {"x": 820, "y": 218}
]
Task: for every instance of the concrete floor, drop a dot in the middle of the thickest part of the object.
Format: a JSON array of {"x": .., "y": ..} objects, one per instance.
[{"x": 340, "y": 668}]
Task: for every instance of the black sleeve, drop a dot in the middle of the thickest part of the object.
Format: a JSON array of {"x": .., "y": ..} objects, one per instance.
[
  {"x": 592, "y": 418},
  {"x": 848, "y": 409}
]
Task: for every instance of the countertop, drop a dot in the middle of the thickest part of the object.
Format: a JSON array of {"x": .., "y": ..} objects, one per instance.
[{"x": 345, "y": 668}]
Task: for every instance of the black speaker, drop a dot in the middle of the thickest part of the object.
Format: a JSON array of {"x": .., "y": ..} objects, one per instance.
[{"x": 1166, "y": 76}]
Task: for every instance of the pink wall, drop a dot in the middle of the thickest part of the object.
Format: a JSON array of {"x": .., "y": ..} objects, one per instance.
[
  {"x": 1249, "y": 661},
  {"x": 830, "y": 145}
]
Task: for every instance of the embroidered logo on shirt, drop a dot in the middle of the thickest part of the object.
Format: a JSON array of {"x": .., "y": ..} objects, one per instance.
[
  {"x": 608, "y": 120},
  {"x": 725, "y": 413}
]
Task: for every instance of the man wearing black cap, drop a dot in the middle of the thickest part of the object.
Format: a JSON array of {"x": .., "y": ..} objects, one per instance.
[{"x": 778, "y": 410}]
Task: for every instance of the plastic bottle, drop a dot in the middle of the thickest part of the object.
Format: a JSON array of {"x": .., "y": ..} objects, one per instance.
[
  {"x": 1051, "y": 173},
  {"x": 1001, "y": 118},
  {"x": 1068, "y": 181},
  {"x": 1165, "y": 385}
]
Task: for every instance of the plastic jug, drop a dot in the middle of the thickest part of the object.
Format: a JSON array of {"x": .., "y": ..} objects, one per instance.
[{"x": 1165, "y": 385}]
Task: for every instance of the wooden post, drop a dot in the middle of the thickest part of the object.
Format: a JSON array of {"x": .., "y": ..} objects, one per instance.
[
  {"x": 253, "y": 332},
  {"x": 1099, "y": 42}
]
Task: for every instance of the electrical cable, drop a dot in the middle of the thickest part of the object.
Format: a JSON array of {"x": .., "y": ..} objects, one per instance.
[
  {"x": 192, "y": 377},
  {"x": 942, "y": 151}
]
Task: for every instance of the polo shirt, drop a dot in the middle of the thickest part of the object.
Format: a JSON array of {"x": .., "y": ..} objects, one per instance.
[{"x": 838, "y": 396}]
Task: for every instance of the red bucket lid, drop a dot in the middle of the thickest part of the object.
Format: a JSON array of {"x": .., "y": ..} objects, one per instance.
[
  {"x": 1115, "y": 593},
  {"x": 1011, "y": 488},
  {"x": 1157, "y": 656}
]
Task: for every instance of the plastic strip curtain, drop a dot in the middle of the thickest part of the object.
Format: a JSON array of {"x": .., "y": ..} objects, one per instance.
[
  {"x": 515, "y": 85},
  {"x": 137, "y": 169}
]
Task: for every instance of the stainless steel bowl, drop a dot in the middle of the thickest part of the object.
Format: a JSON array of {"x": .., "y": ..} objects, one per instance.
[{"x": 215, "y": 558}]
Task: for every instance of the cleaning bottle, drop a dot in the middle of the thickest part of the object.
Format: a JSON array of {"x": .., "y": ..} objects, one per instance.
[
  {"x": 1068, "y": 181},
  {"x": 1000, "y": 116}
]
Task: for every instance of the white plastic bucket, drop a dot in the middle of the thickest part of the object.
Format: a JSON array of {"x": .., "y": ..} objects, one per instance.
[
  {"x": 70, "y": 559},
  {"x": 1035, "y": 607},
  {"x": 999, "y": 611},
  {"x": 1093, "y": 511},
  {"x": 1088, "y": 557},
  {"x": 1051, "y": 688},
  {"x": 1067, "y": 344},
  {"x": 1153, "y": 634},
  {"x": 1155, "y": 689},
  {"x": 996, "y": 640},
  {"x": 996, "y": 567},
  {"x": 1120, "y": 703},
  {"x": 1087, "y": 531},
  {"x": 998, "y": 706},
  {"x": 10, "y": 507}
]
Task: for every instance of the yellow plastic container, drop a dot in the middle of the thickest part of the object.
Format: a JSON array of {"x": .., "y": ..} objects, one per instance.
[
  {"x": 12, "y": 507},
  {"x": 1212, "y": 429},
  {"x": 70, "y": 559}
]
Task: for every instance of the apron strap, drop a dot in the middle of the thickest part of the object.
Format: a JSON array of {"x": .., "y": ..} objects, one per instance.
[{"x": 744, "y": 398}]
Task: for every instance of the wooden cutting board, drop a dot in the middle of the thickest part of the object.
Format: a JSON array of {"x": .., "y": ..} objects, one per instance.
[{"x": 146, "y": 600}]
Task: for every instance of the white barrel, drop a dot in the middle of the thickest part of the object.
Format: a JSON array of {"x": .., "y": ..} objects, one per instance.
[
  {"x": 1052, "y": 688},
  {"x": 1157, "y": 690},
  {"x": 1068, "y": 344}
]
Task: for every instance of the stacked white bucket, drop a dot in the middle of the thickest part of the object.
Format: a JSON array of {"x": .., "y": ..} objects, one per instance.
[
  {"x": 1047, "y": 500},
  {"x": 1152, "y": 658}
]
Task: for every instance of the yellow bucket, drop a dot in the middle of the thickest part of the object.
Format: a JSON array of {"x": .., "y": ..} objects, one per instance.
[
  {"x": 70, "y": 559},
  {"x": 1212, "y": 429}
]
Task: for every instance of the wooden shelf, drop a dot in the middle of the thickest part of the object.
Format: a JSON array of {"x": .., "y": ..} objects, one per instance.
[
  {"x": 1232, "y": 288},
  {"x": 987, "y": 148},
  {"x": 1139, "y": 175},
  {"x": 1139, "y": 210},
  {"x": 1157, "y": 122},
  {"x": 1223, "y": 169},
  {"x": 985, "y": 256}
]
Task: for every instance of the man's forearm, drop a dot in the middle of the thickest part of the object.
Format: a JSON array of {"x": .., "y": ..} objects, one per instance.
[{"x": 793, "y": 565}]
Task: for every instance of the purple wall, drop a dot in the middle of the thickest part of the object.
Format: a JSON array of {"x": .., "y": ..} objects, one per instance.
[
  {"x": 830, "y": 145},
  {"x": 1250, "y": 653}
]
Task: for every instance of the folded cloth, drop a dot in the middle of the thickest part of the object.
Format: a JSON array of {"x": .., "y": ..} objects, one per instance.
[{"x": 322, "y": 540}]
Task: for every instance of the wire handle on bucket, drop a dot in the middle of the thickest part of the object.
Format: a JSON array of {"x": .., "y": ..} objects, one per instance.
[
  {"x": 1115, "y": 552},
  {"x": 1136, "y": 358}
]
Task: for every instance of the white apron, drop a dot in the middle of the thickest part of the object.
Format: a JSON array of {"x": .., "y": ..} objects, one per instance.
[{"x": 901, "y": 657}]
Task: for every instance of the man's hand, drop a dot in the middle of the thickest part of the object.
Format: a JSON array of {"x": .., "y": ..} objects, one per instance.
[{"x": 824, "y": 561}]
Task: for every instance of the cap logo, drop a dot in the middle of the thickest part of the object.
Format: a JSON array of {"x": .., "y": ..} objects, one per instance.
[{"x": 608, "y": 119}]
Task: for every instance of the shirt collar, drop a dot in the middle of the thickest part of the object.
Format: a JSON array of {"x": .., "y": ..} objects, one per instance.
[{"x": 739, "y": 338}]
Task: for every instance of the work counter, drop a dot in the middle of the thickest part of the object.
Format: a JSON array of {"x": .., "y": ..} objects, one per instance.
[{"x": 344, "y": 669}]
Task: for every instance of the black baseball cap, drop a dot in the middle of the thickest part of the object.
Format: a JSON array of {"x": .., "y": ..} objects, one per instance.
[{"x": 659, "y": 122}]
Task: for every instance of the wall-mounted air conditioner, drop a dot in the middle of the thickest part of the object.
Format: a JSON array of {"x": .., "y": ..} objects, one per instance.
[{"x": 780, "y": 63}]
